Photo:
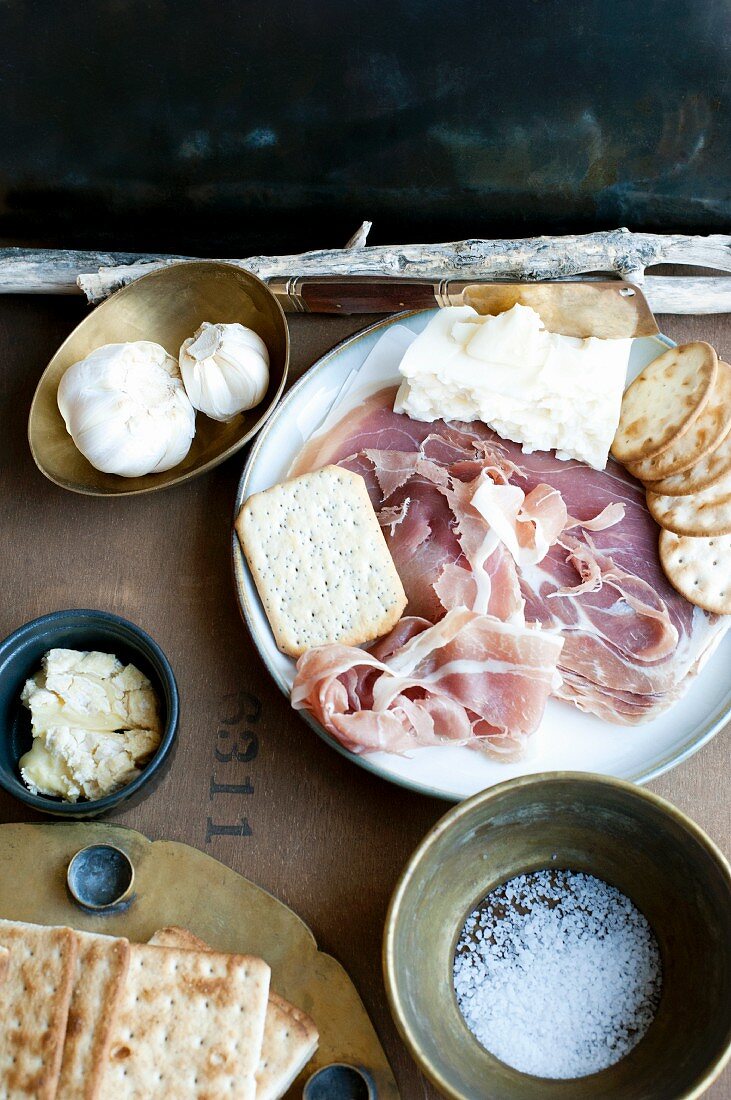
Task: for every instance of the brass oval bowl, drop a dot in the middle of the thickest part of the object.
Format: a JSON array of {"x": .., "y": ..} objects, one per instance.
[
  {"x": 621, "y": 833},
  {"x": 166, "y": 306}
]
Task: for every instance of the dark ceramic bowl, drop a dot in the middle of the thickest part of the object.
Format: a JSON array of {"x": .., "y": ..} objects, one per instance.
[{"x": 20, "y": 658}]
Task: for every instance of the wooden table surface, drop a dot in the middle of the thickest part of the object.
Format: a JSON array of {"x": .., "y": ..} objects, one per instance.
[{"x": 325, "y": 836}]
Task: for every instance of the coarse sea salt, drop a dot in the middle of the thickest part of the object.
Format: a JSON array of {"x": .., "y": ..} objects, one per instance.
[{"x": 557, "y": 974}]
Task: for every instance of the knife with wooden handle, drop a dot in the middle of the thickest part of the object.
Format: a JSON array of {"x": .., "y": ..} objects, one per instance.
[{"x": 609, "y": 309}]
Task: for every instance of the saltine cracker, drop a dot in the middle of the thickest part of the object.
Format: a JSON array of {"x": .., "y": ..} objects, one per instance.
[
  {"x": 101, "y": 970},
  {"x": 320, "y": 561},
  {"x": 189, "y": 1024},
  {"x": 290, "y": 1037},
  {"x": 36, "y": 994}
]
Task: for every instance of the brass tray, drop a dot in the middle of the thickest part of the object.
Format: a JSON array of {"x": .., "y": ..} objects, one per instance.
[{"x": 177, "y": 884}]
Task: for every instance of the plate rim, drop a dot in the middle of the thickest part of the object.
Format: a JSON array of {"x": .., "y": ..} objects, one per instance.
[{"x": 668, "y": 762}]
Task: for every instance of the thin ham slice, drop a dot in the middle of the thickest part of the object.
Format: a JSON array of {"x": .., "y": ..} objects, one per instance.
[
  {"x": 582, "y": 560},
  {"x": 468, "y": 680}
]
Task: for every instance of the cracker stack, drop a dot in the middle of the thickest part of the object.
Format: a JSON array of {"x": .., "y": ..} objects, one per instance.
[
  {"x": 87, "y": 1017},
  {"x": 674, "y": 435}
]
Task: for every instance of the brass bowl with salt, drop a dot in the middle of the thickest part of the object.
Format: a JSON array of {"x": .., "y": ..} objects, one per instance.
[{"x": 564, "y": 935}]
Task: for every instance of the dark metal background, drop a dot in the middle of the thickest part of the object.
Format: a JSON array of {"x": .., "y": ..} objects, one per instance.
[{"x": 226, "y": 126}]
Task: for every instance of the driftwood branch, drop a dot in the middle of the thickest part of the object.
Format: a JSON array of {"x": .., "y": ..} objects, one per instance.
[
  {"x": 56, "y": 271},
  {"x": 360, "y": 237},
  {"x": 616, "y": 251},
  {"x": 627, "y": 254},
  {"x": 687, "y": 294}
]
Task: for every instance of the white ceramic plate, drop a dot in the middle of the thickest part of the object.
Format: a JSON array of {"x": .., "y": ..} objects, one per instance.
[{"x": 567, "y": 738}]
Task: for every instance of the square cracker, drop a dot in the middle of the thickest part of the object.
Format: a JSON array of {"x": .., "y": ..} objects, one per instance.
[
  {"x": 189, "y": 1024},
  {"x": 320, "y": 561},
  {"x": 290, "y": 1040},
  {"x": 101, "y": 969},
  {"x": 290, "y": 1036},
  {"x": 36, "y": 994}
]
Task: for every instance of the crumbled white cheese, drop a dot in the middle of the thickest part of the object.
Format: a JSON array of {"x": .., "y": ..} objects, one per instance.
[
  {"x": 95, "y": 722},
  {"x": 534, "y": 387},
  {"x": 75, "y": 763}
]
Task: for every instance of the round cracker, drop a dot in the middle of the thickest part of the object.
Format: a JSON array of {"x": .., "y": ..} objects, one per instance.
[
  {"x": 703, "y": 435},
  {"x": 699, "y": 569},
  {"x": 700, "y": 476},
  {"x": 704, "y": 513},
  {"x": 664, "y": 400}
]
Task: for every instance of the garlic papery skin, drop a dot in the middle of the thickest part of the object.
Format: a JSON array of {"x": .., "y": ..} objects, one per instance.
[
  {"x": 225, "y": 369},
  {"x": 126, "y": 409}
]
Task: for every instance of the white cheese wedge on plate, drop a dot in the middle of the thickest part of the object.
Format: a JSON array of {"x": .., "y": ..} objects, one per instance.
[{"x": 537, "y": 388}]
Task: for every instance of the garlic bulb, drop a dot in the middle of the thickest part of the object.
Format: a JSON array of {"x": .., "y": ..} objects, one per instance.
[
  {"x": 126, "y": 409},
  {"x": 225, "y": 369}
]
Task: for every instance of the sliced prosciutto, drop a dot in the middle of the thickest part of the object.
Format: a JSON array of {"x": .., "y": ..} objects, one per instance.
[
  {"x": 468, "y": 680},
  {"x": 474, "y": 522}
]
